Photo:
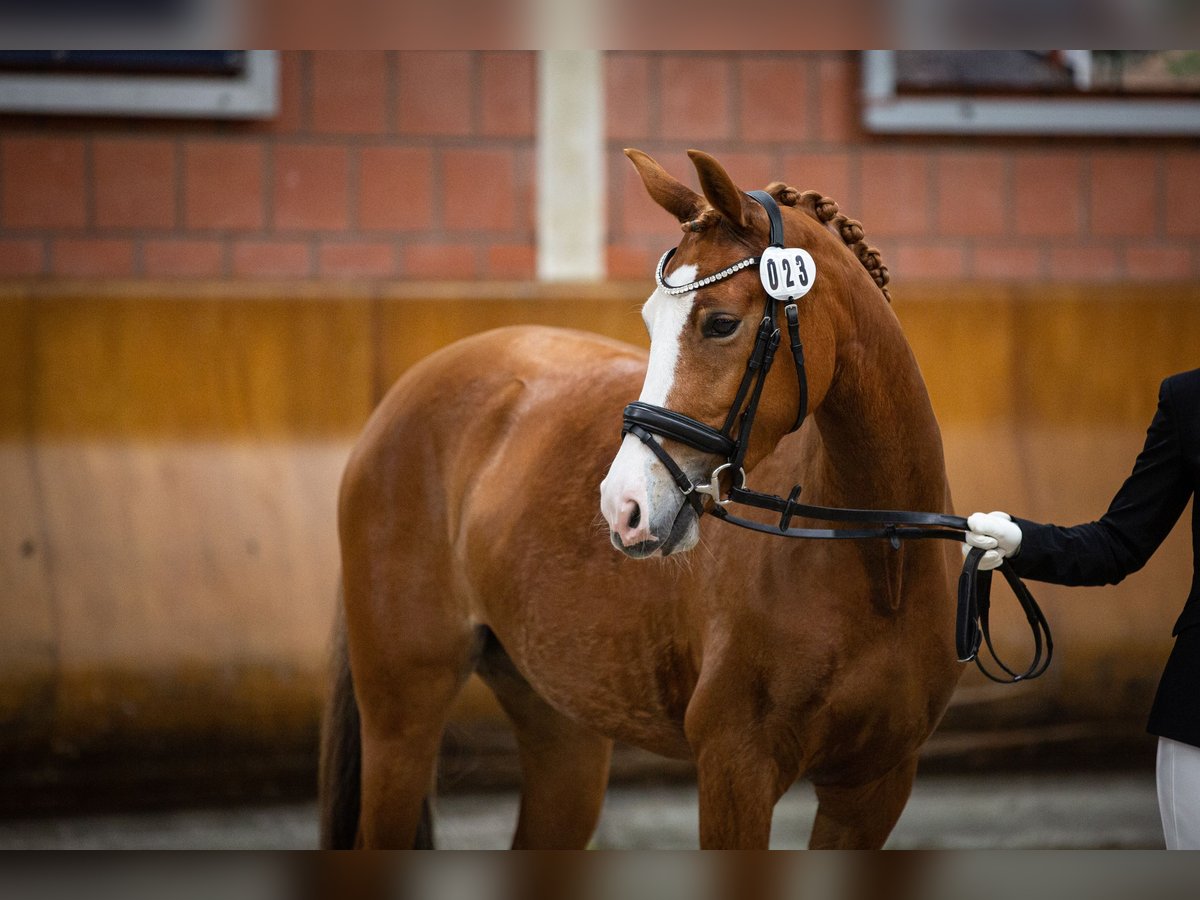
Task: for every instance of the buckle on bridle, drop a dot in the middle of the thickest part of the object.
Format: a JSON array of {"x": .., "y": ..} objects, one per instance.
[{"x": 713, "y": 487}]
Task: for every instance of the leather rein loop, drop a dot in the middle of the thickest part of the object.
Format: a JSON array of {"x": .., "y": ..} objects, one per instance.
[{"x": 645, "y": 421}]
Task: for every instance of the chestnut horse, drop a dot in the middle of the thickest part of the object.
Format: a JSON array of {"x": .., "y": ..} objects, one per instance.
[{"x": 468, "y": 528}]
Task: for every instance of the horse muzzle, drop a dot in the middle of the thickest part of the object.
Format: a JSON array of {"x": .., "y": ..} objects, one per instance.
[{"x": 644, "y": 508}]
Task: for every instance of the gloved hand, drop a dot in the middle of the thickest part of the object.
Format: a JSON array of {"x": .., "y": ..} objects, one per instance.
[{"x": 994, "y": 532}]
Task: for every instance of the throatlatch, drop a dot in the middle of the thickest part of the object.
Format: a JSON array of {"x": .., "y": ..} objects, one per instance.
[{"x": 787, "y": 275}]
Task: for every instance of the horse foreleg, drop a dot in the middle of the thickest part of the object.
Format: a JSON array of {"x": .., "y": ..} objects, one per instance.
[
  {"x": 565, "y": 773},
  {"x": 564, "y": 766},
  {"x": 742, "y": 768},
  {"x": 861, "y": 817},
  {"x": 739, "y": 787}
]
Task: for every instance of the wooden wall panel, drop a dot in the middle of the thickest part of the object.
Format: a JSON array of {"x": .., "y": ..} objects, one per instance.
[
  {"x": 172, "y": 542},
  {"x": 169, "y": 460},
  {"x": 28, "y": 638}
]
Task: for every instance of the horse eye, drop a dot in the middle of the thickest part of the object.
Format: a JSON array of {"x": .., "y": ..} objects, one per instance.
[{"x": 721, "y": 326}]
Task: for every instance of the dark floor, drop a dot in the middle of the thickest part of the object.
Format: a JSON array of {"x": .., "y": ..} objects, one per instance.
[{"x": 1005, "y": 811}]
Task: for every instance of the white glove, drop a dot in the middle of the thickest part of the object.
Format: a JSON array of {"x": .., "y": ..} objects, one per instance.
[{"x": 994, "y": 532}]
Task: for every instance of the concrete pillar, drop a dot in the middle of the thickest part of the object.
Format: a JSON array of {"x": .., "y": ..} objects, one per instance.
[{"x": 570, "y": 166}]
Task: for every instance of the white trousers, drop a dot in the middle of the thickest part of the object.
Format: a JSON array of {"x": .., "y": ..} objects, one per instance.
[{"x": 1179, "y": 794}]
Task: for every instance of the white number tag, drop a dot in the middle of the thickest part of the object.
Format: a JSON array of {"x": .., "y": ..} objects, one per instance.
[{"x": 787, "y": 273}]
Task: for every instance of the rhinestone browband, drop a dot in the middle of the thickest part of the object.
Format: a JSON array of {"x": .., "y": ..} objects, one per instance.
[{"x": 702, "y": 282}]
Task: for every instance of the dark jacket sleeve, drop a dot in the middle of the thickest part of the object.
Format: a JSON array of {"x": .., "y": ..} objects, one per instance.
[{"x": 1139, "y": 518}]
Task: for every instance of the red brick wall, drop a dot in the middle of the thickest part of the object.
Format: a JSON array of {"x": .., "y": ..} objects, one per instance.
[
  {"x": 378, "y": 165},
  {"x": 941, "y": 208},
  {"x": 419, "y": 165}
]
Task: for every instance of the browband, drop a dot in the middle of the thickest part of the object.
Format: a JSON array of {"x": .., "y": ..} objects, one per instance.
[
  {"x": 676, "y": 290},
  {"x": 776, "y": 240}
]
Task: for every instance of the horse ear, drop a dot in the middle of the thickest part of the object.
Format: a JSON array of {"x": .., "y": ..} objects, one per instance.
[
  {"x": 668, "y": 192},
  {"x": 723, "y": 195}
]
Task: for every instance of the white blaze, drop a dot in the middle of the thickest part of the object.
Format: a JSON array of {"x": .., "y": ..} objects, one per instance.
[
  {"x": 665, "y": 317},
  {"x": 635, "y": 471}
]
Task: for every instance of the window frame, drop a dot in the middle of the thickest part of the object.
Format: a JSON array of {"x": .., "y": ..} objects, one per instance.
[{"x": 253, "y": 94}]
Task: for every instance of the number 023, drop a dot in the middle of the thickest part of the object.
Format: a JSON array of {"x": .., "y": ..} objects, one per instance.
[{"x": 795, "y": 273}]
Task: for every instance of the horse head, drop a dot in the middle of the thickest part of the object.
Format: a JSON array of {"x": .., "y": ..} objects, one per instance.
[{"x": 702, "y": 338}]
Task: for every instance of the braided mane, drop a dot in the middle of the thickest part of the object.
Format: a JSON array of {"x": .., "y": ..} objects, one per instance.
[{"x": 825, "y": 210}]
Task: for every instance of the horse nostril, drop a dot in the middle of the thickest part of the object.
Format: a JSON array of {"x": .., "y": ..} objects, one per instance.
[{"x": 635, "y": 516}]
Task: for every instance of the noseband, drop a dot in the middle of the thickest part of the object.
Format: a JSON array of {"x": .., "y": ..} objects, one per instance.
[{"x": 646, "y": 420}]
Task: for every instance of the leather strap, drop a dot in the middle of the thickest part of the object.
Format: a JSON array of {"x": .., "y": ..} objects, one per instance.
[
  {"x": 680, "y": 477},
  {"x": 670, "y": 424},
  {"x": 768, "y": 203},
  {"x": 974, "y": 586},
  {"x": 973, "y": 621},
  {"x": 759, "y": 500},
  {"x": 792, "y": 314}
]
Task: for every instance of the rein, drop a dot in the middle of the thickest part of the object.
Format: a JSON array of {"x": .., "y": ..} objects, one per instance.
[{"x": 645, "y": 420}]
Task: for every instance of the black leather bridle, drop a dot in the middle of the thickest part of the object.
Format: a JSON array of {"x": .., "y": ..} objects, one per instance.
[{"x": 645, "y": 420}]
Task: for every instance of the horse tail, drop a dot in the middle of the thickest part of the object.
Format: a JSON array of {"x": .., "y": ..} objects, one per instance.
[{"x": 340, "y": 772}]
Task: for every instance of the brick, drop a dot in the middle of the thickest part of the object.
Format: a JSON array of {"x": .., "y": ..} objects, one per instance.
[
  {"x": 22, "y": 256},
  {"x": 695, "y": 97},
  {"x": 395, "y": 189},
  {"x": 1124, "y": 194},
  {"x": 1046, "y": 192},
  {"x": 223, "y": 185},
  {"x": 525, "y": 189},
  {"x": 271, "y": 259},
  {"x": 972, "y": 194},
  {"x": 171, "y": 258},
  {"x": 895, "y": 193},
  {"x": 627, "y": 96},
  {"x": 441, "y": 260},
  {"x": 511, "y": 261},
  {"x": 1010, "y": 262},
  {"x": 310, "y": 187},
  {"x": 361, "y": 259},
  {"x": 294, "y": 102},
  {"x": 838, "y": 112},
  {"x": 1086, "y": 263},
  {"x": 829, "y": 173},
  {"x": 43, "y": 183},
  {"x": 134, "y": 183},
  {"x": 774, "y": 99},
  {"x": 507, "y": 100},
  {"x": 1183, "y": 194},
  {"x": 349, "y": 93},
  {"x": 92, "y": 257},
  {"x": 632, "y": 261},
  {"x": 479, "y": 190},
  {"x": 911, "y": 260},
  {"x": 1159, "y": 263},
  {"x": 435, "y": 92},
  {"x": 750, "y": 170}
]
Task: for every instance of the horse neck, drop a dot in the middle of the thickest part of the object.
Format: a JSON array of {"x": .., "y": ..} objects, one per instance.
[{"x": 882, "y": 443}]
